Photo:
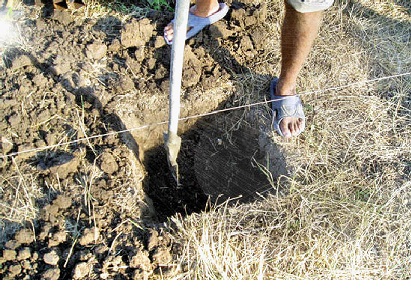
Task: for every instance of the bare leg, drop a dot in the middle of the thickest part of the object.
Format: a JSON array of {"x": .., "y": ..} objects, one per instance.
[
  {"x": 298, "y": 33},
  {"x": 203, "y": 8}
]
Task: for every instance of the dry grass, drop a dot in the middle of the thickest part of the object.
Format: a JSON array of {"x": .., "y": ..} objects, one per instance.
[
  {"x": 22, "y": 188},
  {"x": 346, "y": 211},
  {"x": 122, "y": 9}
]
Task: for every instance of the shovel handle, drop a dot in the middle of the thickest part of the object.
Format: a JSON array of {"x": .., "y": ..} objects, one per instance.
[{"x": 177, "y": 58}]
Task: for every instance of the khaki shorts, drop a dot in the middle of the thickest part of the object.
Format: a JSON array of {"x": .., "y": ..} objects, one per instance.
[{"x": 304, "y": 6}]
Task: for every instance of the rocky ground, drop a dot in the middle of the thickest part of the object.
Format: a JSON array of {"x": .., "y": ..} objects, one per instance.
[{"x": 87, "y": 203}]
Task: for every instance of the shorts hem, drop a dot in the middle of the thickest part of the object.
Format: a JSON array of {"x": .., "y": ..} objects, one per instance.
[{"x": 310, "y": 6}]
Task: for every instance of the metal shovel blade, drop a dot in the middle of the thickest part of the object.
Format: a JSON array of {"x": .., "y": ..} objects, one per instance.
[
  {"x": 172, "y": 140},
  {"x": 172, "y": 145}
]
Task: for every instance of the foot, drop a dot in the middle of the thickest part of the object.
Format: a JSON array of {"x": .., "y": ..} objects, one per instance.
[
  {"x": 289, "y": 120},
  {"x": 204, "y": 13}
]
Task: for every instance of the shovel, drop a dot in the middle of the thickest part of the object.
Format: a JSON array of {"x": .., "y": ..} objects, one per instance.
[{"x": 172, "y": 140}]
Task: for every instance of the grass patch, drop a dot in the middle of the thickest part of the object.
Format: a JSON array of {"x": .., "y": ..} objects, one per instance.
[{"x": 346, "y": 212}]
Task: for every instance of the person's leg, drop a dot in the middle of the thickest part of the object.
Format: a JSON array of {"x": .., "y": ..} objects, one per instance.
[
  {"x": 298, "y": 33},
  {"x": 202, "y": 8}
]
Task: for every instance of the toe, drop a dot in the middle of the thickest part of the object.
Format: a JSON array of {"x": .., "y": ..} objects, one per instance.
[
  {"x": 168, "y": 35},
  {"x": 169, "y": 27},
  {"x": 301, "y": 126},
  {"x": 291, "y": 127},
  {"x": 285, "y": 129},
  {"x": 168, "y": 30}
]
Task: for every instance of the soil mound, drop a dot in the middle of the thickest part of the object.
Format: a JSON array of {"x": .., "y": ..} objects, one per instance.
[{"x": 90, "y": 96}]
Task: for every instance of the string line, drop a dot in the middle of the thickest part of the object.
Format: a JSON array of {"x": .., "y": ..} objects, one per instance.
[{"x": 198, "y": 116}]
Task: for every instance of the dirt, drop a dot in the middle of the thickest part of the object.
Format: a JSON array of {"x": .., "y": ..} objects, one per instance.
[{"x": 100, "y": 201}]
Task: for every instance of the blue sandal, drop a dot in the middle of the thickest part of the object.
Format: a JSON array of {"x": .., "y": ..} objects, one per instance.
[
  {"x": 196, "y": 23},
  {"x": 284, "y": 106}
]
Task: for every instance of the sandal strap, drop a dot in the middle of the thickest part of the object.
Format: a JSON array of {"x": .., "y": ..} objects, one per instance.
[{"x": 288, "y": 107}]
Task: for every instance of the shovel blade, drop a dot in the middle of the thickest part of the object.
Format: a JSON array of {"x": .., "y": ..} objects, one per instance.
[{"x": 172, "y": 145}]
